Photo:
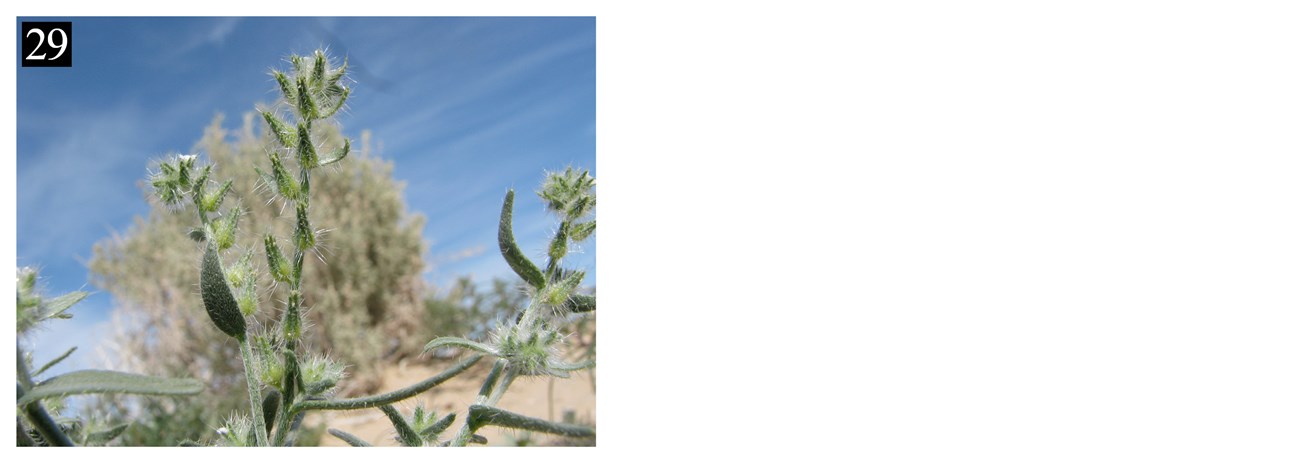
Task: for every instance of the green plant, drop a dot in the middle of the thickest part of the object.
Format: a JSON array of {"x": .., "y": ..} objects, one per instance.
[
  {"x": 36, "y": 425},
  {"x": 530, "y": 346},
  {"x": 282, "y": 379}
]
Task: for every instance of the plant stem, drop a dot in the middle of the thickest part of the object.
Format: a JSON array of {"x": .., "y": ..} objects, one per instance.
[
  {"x": 489, "y": 385},
  {"x": 24, "y": 440},
  {"x": 42, "y": 421},
  {"x": 254, "y": 399},
  {"x": 388, "y": 397}
]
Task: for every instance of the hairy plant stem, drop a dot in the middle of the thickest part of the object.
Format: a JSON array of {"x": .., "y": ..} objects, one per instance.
[
  {"x": 486, "y": 396},
  {"x": 254, "y": 398},
  {"x": 24, "y": 440},
  {"x": 388, "y": 397},
  {"x": 292, "y": 381},
  {"x": 42, "y": 422}
]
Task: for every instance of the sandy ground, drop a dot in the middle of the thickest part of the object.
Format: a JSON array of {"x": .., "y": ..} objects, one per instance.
[{"x": 530, "y": 396}]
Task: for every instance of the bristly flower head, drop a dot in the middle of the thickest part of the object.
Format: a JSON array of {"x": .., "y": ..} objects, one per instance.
[
  {"x": 569, "y": 194},
  {"x": 320, "y": 374},
  {"x": 174, "y": 180}
]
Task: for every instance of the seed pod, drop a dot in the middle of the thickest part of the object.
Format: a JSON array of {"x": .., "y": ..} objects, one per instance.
[{"x": 217, "y": 298}]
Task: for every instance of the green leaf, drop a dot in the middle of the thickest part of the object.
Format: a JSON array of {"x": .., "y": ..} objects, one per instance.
[
  {"x": 510, "y": 250},
  {"x": 439, "y": 426},
  {"x": 482, "y": 415},
  {"x": 338, "y": 154},
  {"x": 582, "y": 303},
  {"x": 101, "y": 381},
  {"x": 463, "y": 343},
  {"x": 270, "y": 406},
  {"x": 55, "y": 361},
  {"x": 102, "y": 437},
  {"x": 581, "y": 231},
  {"x": 350, "y": 439},
  {"x": 281, "y": 130},
  {"x": 55, "y": 307},
  {"x": 407, "y": 436},
  {"x": 338, "y": 103}
]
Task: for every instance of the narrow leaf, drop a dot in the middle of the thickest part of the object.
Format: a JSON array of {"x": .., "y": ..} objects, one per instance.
[
  {"x": 55, "y": 361},
  {"x": 102, "y": 437},
  {"x": 270, "y": 405},
  {"x": 338, "y": 154},
  {"x": 463, "y": 343},
  {"x": 338, "y": 103},
  {"x": 482, "y": 415},
  {"x": 56, "y": 306},
  {"x": 441, "y": 425},
  {"x": 282, "y": 132},
  {"x": 100, "y": 381},
  {"x": 407, "y": 436},
  {"x": 350, "y": 439},
  {"x": 510, "y": 250},
  {"x": 582, "y": 303}
]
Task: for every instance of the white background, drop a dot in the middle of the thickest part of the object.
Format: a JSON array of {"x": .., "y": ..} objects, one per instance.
[{"x": 932, "y": 231}]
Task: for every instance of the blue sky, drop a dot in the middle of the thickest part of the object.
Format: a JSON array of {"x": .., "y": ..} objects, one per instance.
[{"x": 464, "y": 107}]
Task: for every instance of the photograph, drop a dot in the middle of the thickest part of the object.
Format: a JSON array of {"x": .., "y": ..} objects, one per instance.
[{"x": 306, "y": 231}]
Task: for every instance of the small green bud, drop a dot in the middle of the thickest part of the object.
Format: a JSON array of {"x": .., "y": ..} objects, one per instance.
[
  {"x": 217, "y": 298},
  {"x": 287, "y": 186},
  {"x": 306, "y": 104},
  {"x": 306, "y": 150},
  {"x": 212, "y": 200},
  {"x": 291, "y": 328},
  {"x": 560, "y": 244},
  {"x": 237, "y": 432},
  {"x": 318, "y": 70},
  {"x": 303, "y": 236},
  {"x": 320, "y": 374},
  {"x": 286, "y": 88},
  {"x": 223, "y": 229},
  {"x": 275, "y": 261},
  {"x": 282, "y": 132},
  {"x": 270, "y": 370},
  {"x": 556, "y": 293},
  {"x": 184, "y": 167}
]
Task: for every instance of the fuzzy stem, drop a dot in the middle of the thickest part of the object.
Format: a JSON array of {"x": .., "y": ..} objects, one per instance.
[
  {"x": 388, "y": 397},
  {"x": 290, "y": 386},
  {"x": 465, "y": 435},
  {"x": 43, "y": 423},
  {"x": 500, "y": 390},
  {"x": 24, "y": 440},
  {"x": 255, "y": 399}
]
